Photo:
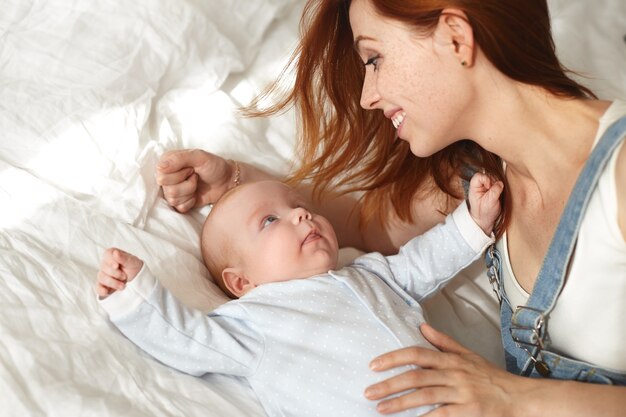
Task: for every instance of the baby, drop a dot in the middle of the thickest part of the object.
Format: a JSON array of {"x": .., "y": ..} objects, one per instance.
[{"x": 300, "y": 331}]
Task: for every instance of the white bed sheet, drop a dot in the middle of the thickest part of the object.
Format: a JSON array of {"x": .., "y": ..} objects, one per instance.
[{"x": 91, "y": 93}]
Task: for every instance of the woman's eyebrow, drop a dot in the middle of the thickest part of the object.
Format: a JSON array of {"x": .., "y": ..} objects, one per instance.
[{"x": 359, "y": 39}]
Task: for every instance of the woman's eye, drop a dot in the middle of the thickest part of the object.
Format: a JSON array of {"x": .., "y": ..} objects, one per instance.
[
  {"x": 269, "y": 220},
  {"x": 373, "y": 61}
]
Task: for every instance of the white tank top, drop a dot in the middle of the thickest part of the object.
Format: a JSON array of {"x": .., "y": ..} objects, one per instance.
[{"x": 588, "y": 322}]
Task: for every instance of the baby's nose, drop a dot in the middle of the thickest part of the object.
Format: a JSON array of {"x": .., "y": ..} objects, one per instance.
[{"x": 300, "y": 213}]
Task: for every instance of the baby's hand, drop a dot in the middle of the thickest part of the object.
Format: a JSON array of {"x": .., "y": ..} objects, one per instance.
[
  {"x": 484, "y": 200},
  {"x": 116, "y": 269}
]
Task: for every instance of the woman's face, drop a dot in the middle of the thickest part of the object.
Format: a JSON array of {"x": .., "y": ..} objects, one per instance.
[{"x": 416, "y": 81}]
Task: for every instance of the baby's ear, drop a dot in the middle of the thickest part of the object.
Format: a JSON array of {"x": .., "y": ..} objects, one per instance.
[{"x": 236, "y": 282}]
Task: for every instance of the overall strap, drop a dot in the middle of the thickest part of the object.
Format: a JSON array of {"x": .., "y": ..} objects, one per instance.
[{"x": 528, "y": 323}]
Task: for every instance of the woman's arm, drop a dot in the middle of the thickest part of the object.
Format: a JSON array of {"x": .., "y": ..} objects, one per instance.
[
  {"x": 467, "y": 385},
  {"x": 194, "y": 178}
]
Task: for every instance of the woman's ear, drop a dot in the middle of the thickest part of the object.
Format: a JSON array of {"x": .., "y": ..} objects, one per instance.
[
  {"x": 236, "y": 282},
  {"x": 455, "y": 31}
]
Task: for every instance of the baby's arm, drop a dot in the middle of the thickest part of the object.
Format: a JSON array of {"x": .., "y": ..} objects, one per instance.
[
  {"x": 116, "y": 269},
  {"x": 180, "y": 337},
  {"x": 428, "y": 261},
  {"x": 484, "y": 200}
]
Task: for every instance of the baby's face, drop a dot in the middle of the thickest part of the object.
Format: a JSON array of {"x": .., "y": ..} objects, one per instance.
[{"x": 274, "y": 236}]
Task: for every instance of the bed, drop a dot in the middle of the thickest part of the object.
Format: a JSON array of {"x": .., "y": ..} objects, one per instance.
[{"x": 91, "y": 94}]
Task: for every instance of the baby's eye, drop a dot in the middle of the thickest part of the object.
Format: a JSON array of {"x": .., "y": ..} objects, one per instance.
[{"x": 269, "y": 220}]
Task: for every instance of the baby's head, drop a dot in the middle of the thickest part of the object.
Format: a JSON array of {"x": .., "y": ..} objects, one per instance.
[{"x": 262, "y": 232}]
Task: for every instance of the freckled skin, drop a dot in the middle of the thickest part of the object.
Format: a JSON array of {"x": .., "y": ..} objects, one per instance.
[{"x": 418, "y": 75}]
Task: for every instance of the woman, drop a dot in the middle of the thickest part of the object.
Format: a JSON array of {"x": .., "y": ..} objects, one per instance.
[{"x": 441, "y": 72}]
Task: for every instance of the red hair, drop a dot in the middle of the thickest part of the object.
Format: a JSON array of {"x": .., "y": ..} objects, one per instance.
[{"x": 340, "y": 144}]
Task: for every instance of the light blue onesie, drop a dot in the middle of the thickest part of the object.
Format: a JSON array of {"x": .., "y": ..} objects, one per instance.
[{"x": 304, "y": 345}]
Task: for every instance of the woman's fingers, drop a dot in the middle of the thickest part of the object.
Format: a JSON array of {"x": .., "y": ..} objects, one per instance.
[
  {"x": 413, "y": 379},
  {"x": 442, "y": 341},
  {"x": 412, "y": 355},
  {"x": 174, "y": 161},
  {"x": 176, "y": 175},
  {"x": 417, "y": 398},
  {"x": 453, "y": 410},
  {"x": 182, "y": 196},
  {"x": 433, "y": 383},
  {"x": 460, "y": 381},
  {"x": 186, "y": 205},
  {"x": 173, "y": 178},
  {"x": 423, "y": 357},
  {"x": 181, "y": 190},
  {"x": 193, "y": 177}
]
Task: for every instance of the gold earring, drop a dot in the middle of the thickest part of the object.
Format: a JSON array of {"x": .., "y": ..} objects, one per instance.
[{"x": 463, "y": 63}]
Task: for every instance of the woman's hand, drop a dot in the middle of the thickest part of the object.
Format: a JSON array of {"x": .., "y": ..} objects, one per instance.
[
  {"x": 461, "y": 381},
  {"x": 193, "y": 178}
]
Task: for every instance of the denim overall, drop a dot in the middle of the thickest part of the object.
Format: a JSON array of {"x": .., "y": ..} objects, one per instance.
[{"x": 525, "y": 330}]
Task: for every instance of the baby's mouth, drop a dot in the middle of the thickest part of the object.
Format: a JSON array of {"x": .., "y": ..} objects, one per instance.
[{"x": 311, "y": 237}]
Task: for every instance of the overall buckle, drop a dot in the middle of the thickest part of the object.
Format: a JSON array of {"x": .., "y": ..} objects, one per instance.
[{"x": 531, "y": 335}]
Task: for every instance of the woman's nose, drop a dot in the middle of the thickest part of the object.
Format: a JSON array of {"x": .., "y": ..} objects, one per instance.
[
  {"x": 369, "y": 92},
  {"x": 300, "y": 213}
]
